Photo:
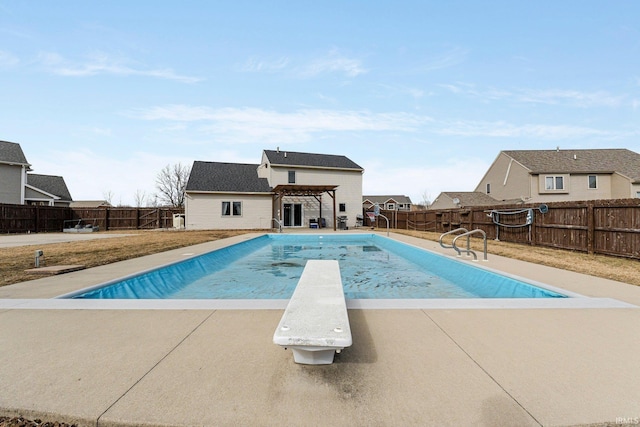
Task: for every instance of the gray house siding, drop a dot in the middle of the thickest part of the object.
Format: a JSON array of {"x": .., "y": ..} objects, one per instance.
[{"x": 11, "y": 184}]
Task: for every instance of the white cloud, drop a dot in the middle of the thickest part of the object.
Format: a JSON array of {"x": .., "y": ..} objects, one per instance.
[
  {"x": 450, "y": 58},
  {"x": 507, "y": 130},
  {"x": 256, "y": 65},
  {"x": 333, "y": 62},
  {"x": 573, "y": 98},
  {"x": 253, "y": 124},
  {"x": 104, "y": 64}
]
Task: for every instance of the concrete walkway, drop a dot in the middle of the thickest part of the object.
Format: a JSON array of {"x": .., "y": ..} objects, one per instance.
[
  {"x": 493, "y": 367},
  {"x": 39, "y": 239}
]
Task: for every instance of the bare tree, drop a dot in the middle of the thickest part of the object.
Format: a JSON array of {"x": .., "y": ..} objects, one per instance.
[
  {"x": 108, "y": 196},
  {"x": 171, "y": 183},
  {"x": 139, "y": 198},
  {"x": 426, "y": 199}
]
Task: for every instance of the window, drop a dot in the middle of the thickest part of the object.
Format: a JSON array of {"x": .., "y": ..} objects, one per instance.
[
  {"x": 638, "y": 194},
  {"x": 342, "y": 207},
  {"x": 593, "y": 182},
  {"x": 391, "y": 206},
  {"x": 488, "y": 188},
  {"x": 231, "y": 208},
  {"x": 554, "y": 183},
  {"x": 237, "y": 208},
  {"x": 292, "y": 177}
]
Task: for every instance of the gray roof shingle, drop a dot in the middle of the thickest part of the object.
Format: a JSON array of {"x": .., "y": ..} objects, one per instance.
[
  {"x": 292, "y": 158},
  {"x": 226, "y": 177},
  {"x": 10, "y": 152},
  {"x": 471, "y": 198},
  {"x": 620, "y": 160},
  {"x": 51, "y": 184},
  {"x": 384, "y": 199}
]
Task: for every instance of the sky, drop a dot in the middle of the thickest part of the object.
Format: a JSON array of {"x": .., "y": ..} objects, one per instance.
[{"x": 422, "y": 94}]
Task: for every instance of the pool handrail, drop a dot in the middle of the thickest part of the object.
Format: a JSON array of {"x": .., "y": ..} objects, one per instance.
[
  {"x": 387, "y": 223},
  {"x": 468, "y": 250},
  {"x": 457, "y": 230},
  {"x": 279, "y": 224}
]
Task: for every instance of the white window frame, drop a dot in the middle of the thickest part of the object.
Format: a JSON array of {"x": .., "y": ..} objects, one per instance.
[
  {"x": 595, "y": 179},
  {"x": 291, "y": 177},
  {"x": 391, "y": 206},
  {"x": 234, "y": 208},
  {"x": 342, "y": 207},
  {"x": 554, "y": 183}
]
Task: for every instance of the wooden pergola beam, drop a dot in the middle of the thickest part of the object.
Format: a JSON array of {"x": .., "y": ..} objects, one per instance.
[{"x": 316, "y": 191}]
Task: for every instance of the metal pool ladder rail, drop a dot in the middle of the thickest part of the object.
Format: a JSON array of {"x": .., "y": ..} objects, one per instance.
[{"x": 466, "y": 233}]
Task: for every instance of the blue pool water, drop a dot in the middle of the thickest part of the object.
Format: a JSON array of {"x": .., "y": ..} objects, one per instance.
[{"x": 268, "y": 267}]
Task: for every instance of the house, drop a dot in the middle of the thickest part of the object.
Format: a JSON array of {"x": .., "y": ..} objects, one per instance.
[
  {"x": 462, "y": 199},
  {"x": 290, "y": 189},
  {"x": 389, "y": 203},
  {"x": 90, "y": 204},
  {"x": 19, "y": 187},
  {"x": 563, "y": 175},
  {"x": 13, "y": 173},
  {"x": 46, "y": 190}
]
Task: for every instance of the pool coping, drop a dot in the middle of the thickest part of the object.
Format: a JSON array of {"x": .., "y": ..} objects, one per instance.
[
  {"x": 280, "y": 304},
  {"x": 574, "y": 300}
]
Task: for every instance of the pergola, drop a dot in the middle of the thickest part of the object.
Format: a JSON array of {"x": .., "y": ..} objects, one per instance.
[{"x": 315, "y": 191}]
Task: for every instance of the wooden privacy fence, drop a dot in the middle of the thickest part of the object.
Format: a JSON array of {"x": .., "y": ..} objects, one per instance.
[
  {"x": 610, "y": 227},
  {"x": 36, "y": 219}
]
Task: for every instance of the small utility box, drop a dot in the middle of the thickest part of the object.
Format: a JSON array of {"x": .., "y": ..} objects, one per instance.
[{"x": 178, "y": 221}]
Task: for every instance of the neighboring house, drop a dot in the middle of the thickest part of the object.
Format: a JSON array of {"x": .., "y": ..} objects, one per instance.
[
  {"x": 13, "y": 173},
  {"x": 19, "y": 187},
  {"x": 46, "y": 190},
  {"x": 90, "y": 204},
  {"x": 389, "y": 203},
  {"x": 563, "y": 175},
  {"x": 462, "y": 199},
  {"x": 296, "y": 189}
]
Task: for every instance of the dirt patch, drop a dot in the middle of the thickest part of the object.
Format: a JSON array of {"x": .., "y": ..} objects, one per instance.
[
  {"x": 608, "y": 267},
  {"x": 92, "y": 253},
  {"x": 23, "y": 422}
]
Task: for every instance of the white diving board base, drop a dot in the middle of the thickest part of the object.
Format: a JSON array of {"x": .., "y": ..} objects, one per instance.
[{"x": 315, "y": 324}]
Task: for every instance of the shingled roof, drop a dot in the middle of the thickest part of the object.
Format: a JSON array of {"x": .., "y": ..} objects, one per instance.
[
  {"x": 292, "y": 158},
  {"x": 50, "y": 184},
  {"x": 384, "y": 199},
  {"x": 620, "y": 160},
  {"x": 10, "y": 152},
  {"x": 471, "y": 198},
  {"x": 226, "y": 177}
]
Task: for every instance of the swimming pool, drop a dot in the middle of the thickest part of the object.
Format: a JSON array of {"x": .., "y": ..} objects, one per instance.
[{"x": 269, "y": 266}]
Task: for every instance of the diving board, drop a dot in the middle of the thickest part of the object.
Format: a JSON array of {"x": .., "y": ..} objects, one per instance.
[{"x": 315, "y": 324}]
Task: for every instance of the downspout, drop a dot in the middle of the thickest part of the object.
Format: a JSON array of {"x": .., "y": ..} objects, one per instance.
[{"x": 23, "y": 184}]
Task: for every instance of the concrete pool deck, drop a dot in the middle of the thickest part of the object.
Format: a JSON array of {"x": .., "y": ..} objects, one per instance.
[{"x": 440, "y": 366}]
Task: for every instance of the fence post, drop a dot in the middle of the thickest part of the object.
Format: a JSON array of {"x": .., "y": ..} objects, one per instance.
[
  {"x": 591, "y": 227},
  {"x": 106, "y": 219},
  {"x": 534, "y": 232},
  {"x": 36, "y": 227}
]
